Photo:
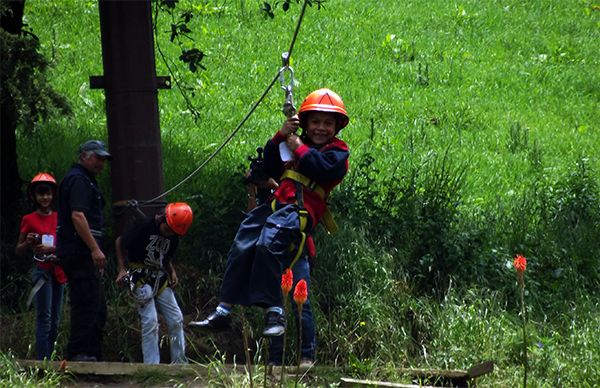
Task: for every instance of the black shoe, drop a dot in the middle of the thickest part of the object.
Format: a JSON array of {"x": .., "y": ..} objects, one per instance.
[
  {"x": 214, "y": 322},
  {"x": 275, "y": 324}
]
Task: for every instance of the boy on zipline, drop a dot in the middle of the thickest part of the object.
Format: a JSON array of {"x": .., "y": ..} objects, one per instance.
[{"x": 273, "y": 235}]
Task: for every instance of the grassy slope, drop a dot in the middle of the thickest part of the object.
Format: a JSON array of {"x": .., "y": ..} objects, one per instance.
[{"x": 490, "y": 67}]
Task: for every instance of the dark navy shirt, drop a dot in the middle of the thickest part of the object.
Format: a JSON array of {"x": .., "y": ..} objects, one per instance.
[{"x": 78, "y": 191}]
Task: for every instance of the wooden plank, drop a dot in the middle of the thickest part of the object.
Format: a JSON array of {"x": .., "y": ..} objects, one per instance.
[
  {"x": 481, "y": 369},
  {"x": 116, "y": 368},
  {"x": 348, "y": 382},
  {"x": 427, "y": 373}
]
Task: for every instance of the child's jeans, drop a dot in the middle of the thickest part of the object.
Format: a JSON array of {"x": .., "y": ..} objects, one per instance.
[
  {"x": 301, "y": 270},
  {"x": 48, "y": 306},
  {"x": 166, "y": 304},
  {"x": 259, "y": 250}
]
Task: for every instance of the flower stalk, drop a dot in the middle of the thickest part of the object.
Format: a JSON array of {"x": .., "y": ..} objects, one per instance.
[
  {"x": 287, "y": 281},
  {"x": 300, "y": 297},
  {"x": 520, "y": 265}
]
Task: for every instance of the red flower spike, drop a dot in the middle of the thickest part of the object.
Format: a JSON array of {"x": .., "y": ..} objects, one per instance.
[
  {"x": 301, "y": 292},
  {"x": 287, "y": 280},
  {"x": 520, "y": 263}
]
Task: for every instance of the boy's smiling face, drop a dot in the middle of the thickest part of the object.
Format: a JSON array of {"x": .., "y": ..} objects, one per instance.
[{"x": 321, "y": 127}]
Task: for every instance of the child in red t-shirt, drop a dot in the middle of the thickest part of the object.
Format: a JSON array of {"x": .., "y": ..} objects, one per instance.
[{"x": 38, "y": 237}]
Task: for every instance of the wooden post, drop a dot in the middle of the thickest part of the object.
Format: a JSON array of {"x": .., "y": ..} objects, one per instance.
[{"x": 130, "y": 84}]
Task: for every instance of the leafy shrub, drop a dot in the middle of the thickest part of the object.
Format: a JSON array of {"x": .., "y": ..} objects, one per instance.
[{"x": 414, "y": 207}]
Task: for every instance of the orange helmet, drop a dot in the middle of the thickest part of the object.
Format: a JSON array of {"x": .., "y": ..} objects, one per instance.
[
  {"x": 41, "y": 177},
  {"x": 325, "y": 100},
  {"x": 44, "y": 177},
  {"x": 179, "y": 217}
]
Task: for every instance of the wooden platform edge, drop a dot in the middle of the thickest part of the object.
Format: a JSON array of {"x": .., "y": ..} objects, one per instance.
[
  {"x": 116, "y": 368},
  {"x": 480, "y": 369},
  {"x": 428, "y": 373},
  {"x": 346, "y": 382}
]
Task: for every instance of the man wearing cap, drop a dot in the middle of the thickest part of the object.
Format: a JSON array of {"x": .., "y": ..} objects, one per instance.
[{"x": 79, "y": 247}]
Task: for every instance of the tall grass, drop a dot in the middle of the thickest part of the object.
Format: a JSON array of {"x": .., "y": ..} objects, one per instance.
[
  {"x": 13, "y": 375},
  {"x": 473, "y": 136}
]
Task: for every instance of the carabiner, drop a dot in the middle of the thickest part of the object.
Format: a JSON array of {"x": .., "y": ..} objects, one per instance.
[{"x": 288, "y": 106}]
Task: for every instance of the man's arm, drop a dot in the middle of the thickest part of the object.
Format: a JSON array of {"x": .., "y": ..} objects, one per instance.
[{"x": 83, "y": 230}]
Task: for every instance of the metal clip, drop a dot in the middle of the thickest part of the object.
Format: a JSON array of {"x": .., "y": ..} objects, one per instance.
[
  {"x": 288, "y": 106},
  {"x": 285, "y": 59}
]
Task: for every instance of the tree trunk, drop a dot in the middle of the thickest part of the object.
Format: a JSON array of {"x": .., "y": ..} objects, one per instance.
[{"x": 10, "y": 181}]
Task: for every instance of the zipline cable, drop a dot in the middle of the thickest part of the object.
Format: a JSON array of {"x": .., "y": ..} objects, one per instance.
[
  {"x": 240, "y": 124},
  {"x": 227, "y": 140},
  {"x": 297, "y": 28}
]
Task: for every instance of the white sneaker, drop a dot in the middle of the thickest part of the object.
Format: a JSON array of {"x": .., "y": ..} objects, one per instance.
[{"x": 306, "y": 363}]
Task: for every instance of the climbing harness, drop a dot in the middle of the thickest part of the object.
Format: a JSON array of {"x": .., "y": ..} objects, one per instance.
[
  {"x": 41, "y": 258},
  {"x": 137, "y": 277},
  {"x": 305, "y": 181},
  {"x": 327, "y": 220}
]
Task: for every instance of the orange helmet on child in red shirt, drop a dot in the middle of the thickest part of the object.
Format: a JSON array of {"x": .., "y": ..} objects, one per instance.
[{"x": 39, "y": 178}]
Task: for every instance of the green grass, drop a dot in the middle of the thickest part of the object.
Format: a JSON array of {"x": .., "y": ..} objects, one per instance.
[
  {"x": 474, "y": 135},
  {"x": 13, "y": 375}
]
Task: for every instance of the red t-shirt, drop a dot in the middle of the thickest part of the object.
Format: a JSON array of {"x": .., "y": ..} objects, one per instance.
[{"x": 44, "y": 225}]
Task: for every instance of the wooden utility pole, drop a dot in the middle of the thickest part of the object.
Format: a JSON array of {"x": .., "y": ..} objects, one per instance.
[{"x": 131, "y": 89}]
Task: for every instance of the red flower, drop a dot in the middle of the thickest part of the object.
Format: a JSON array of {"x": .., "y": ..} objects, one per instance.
[
  {"x": 520, "y": 263},
  {"x": 287, "y": 279},
  {"x": 301, "y": 292}
]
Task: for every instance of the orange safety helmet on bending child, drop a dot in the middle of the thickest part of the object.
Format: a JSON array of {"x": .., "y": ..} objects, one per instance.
[
  {"x": 324, "y": 100},
  {"x": 179, "y": 216}
]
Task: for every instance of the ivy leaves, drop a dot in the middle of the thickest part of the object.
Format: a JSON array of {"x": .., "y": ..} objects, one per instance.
[
  {"x": 268, "y": 7},
  {"x": 180, "y": 34}
]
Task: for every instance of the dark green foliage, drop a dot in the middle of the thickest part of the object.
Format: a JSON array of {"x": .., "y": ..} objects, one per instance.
[
  {"x": 24, "y": 79},
  {"x": 416, "y": 210},
  {"x": 413, "y": 208}
]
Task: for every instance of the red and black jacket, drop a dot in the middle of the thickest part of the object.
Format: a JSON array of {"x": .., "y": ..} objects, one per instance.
[{"x": 326, "y": 166}]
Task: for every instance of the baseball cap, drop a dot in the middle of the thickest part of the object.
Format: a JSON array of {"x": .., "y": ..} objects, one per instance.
[{"x": 96, "y": 146}]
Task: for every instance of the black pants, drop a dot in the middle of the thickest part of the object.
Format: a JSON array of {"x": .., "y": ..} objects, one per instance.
[{"x": 88, "y": 314}]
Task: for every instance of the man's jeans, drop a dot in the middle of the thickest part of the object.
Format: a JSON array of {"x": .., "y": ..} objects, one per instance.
[
  {"x": 301, "y": 270},
  {"x": 48, "y": 306},
  {"x": 166, "y": 304}
]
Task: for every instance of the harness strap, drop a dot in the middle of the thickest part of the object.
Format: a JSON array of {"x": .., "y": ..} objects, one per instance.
[
  {"x": 156, "y": 288},
  {"x": 305, "y": 181},
  {"x": 300, "y": 249},
  {"x": 303, "y": 218},
  {"x": 327, "y": 218}
]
